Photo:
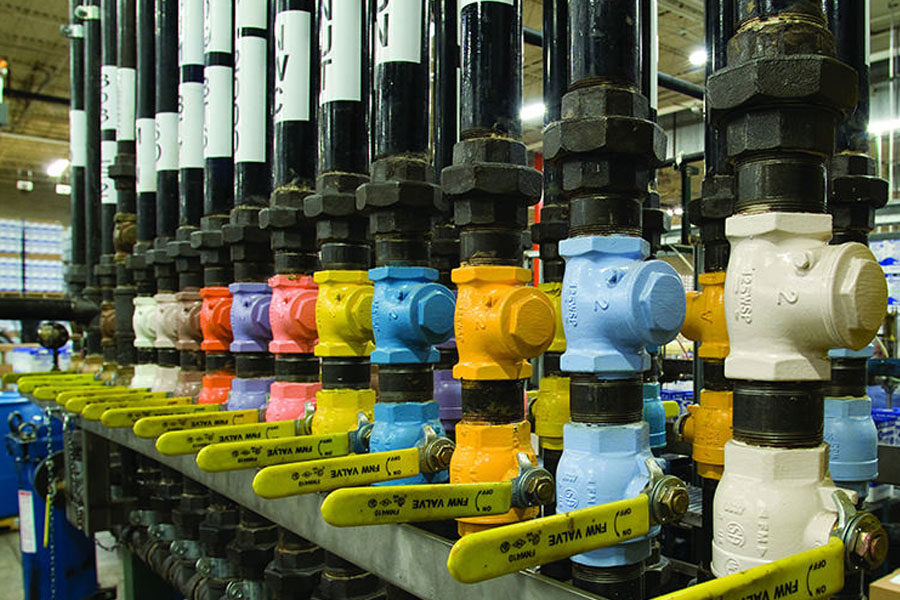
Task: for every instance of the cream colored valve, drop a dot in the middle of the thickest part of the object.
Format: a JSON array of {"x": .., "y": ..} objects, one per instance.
[
  {"x": 167, "y": 310},
  {"x": 790, "y": 297},
  {"x": 143, "y": 321}
]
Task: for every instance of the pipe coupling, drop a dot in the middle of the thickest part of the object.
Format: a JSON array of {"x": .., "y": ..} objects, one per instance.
[
  {"x": 292, "y": 314},
  {"x": 500, "y": 322},
  {"x": 616, "y": 304},
  {"x": 790, "y": 297}
]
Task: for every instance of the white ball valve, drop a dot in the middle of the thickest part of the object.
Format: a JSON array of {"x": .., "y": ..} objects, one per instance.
[
  {"x": 144, "y": 322},
  {"x": 790, "y": 297},
  {"x": 167, "y": 310}
]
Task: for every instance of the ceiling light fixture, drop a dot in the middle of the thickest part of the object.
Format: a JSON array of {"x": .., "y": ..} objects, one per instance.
[
  {"x": 57, "y": 167},
  {"x": 532, "y": 112},
  {"x": 698, "y": 57}
]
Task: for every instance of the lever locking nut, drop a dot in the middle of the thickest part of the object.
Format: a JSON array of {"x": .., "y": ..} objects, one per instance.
[{"x": 868, "y": 544}]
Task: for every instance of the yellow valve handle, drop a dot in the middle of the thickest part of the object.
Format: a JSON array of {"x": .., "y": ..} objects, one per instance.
[
  {"x": 331, "y": 473},
  {"x": 190, "y": 441},
  {"x": 94, "y": 412},
  {"x": 96, "y": 392},
  {"x": 233, "y": 456},
  {"x": 78, "y": 404},
  {"x": 50, "y": 392},
  {"x": 814, "y": 574},
  {"x": 156, "y": 425},
  {"x": 502, "y": 550},
  {"x": 351, "y": 507},
  {"x": 14, "y": 377},
  {"x": 28, "y": 383},
  {"x": 127, "y": 417},
  {"x": 671, "y": 408}
]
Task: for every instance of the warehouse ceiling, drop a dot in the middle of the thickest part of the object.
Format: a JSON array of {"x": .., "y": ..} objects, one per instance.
[{"x": 37, "y": 55}]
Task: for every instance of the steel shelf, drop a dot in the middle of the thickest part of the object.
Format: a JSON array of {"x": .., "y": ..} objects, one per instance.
[{"x": 403, "y": 555}]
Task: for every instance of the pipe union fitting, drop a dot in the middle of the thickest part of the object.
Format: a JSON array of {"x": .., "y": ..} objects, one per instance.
[
  {"x": 790, "y": 297},
  {"x": 615, "y": 304},
  {"x": 167, "y": 310},
  {"x": 144, "y": 322},
  {"x": 292, "y": 314},
  {"x": 215, "y": 319},
  {"x": 410, "y": 314},
  {"x": 344, "y": 313},
  {"x": 250, "y": 317},
  {"x": 499, "y": 322}
]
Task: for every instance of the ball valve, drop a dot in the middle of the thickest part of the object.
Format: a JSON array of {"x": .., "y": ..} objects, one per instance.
[
  {"x": 144, "y": 322},
  {"x": 292, "y": 314},
  {"x": 291, "y": 400},
  {"x": 344, "y": 313},
  {"x": 190, "y": 334},
  {"x": 410, "y": 313},
  {"x": 167, "y": 310},
  {"x": 500, "y": 323},
  {"x": 215, "y": 319},
  {"x": 790, "y": 297},
  {"x": 614, "y": 305},
  {"x": 704, "y": 320},
  {"x": 250, "y": 317}
]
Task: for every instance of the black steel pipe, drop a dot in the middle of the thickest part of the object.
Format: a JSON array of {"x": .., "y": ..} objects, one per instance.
[
  {"x": 92, "y": 62},
  {"x": 109, "y": 116},
  {"x": 166, "y": 118},
  {"x": 849, "y": 25},
  {"x": 125, "y": 100},
  {"x": 77, "y": 151},
  {"x": 36, "y": 96},
  {"x": 190, "y": 118},
  {"x": 79, "y": 310},
  {"x": 218, "y": 187},
  {"x": 670, "y": 82},
  {"x": 295, "y": 102},
  {"x": 252, "y": 93},
  {"x": 719, "y": 29},
  {"x": 446, "y": 65},
  {"x": 145, "y": 124},
  {"x": 605, "y": 42},
  {"x": 490, "y": 94}
]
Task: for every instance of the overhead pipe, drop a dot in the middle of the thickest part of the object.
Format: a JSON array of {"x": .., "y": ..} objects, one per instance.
[
  {"x": 109, "y": 120},
  {"x": 144, "y": 316},
  {"x": 122, "y": 171},
  {"x": 190, "y": 197},
  {"x": 707, "y": 426},
  {"x": 797, "y": 309},
  {"x": 218, "y": 199},
  {"x": 90, "y": 14},
  {"x": 293, "y": 236}
]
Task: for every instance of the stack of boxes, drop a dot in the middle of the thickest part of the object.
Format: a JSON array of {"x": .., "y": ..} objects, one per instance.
[{"x": 31, "y": 258}]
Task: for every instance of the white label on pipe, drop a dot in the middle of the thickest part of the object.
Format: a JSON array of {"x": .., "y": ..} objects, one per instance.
[
  {"x": 190, "y": 125},
  {"x": 190, "y": 32},
  {"x": 109, "y": 78},
  {"x": 125, "y": 126},
  {"x": 292, "y": 43},
  {"x": 145, "y": 155},
  {"x": 250, "y": 13},
  {"x": 654, "y": 54},
  {"x": 217, "y": 29},
  {"x": 27, "y": 530},
  {"x": 167, "y": 141},
  {"x": 217, "y": 118},
  {"x": 108, "y": 193},
  {"x": 250, "y": 100},
  {"x": 341, "y": 40},
  {"x": 398, "y": 31},
  {"x": 77, "y": 138}
]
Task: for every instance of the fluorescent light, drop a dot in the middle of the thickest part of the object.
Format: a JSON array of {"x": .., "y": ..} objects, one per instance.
[
  {"x": 698, "y": 57},
  {"x": 63, "y": 189},
  {"x": 532, "y": 112},
  {"x": 882, "y": 127},
  {"x": 679, "y": 211},
  {"x": 57, "y": 167}
]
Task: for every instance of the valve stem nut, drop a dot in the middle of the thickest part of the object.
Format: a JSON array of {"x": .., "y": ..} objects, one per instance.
[{"x": 437, "y": 455}]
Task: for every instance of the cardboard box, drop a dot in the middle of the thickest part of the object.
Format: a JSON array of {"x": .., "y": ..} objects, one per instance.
[{"x": 886, "y": 588}]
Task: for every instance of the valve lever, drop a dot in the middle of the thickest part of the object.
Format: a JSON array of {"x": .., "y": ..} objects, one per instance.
[
  {"x": 93, "y": 412},
  {"x": 127, "y": 417},
  {"x": 153, "y": 426},
  {"x": 96, "y": 392},
  {"x": 502, "y": 550},
  {"x": 77, "y": 404},
  {"x": 431, "y": 455},
  {"x": 191, "y": 441},
  {"x": 351, "y": 507}
]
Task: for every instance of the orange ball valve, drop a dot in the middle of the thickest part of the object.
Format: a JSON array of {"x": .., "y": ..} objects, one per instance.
[
  {"x": 216, "y": 388},
  {"x": 488, "y": 453},
  {"x": 707, "y": 427},
  {"x": 292, "y": 314},
  {"x": 704, "y": 319},
  {"x": 215, "y": 319},
  {"x": 499, "y": 322}
]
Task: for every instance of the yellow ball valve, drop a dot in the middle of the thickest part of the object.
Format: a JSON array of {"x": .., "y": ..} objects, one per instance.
[
  {"x": 344, "y": 314},
  {"x": 704, "y": 320}
]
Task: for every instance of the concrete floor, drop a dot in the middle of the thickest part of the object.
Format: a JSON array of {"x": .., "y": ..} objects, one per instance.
[{"x": 109, "y": 566}]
